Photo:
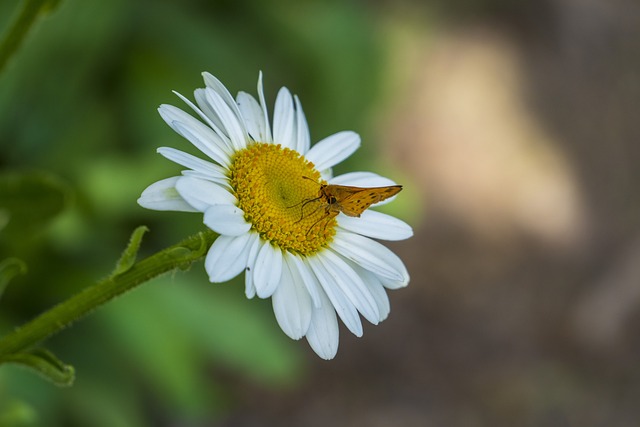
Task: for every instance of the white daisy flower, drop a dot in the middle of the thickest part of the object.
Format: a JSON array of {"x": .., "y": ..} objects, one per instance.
[{"x": 259, "y": 190}]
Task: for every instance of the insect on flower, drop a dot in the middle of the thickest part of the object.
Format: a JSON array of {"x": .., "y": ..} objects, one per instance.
[{"x": 352, "y": 201}]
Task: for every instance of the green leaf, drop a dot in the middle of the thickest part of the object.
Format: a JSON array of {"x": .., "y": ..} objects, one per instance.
[
  {"x": 30, "y": 201},
  {"x": 10, "y": 268},
  {"x": 46, "y": 364},
  {"x": 128, "y": 257}
]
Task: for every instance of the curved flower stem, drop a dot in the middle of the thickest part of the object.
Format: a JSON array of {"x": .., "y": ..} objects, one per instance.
[
  {"x": 19, "y": 27},
  {"x": 181, "y": 255}
]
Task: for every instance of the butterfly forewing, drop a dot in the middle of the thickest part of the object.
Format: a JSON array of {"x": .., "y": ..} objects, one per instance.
[{"x": 352, "y": 201}]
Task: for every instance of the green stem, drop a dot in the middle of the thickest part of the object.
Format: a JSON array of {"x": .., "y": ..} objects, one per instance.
[
  {"x": 22, "y": 22},
  {"x": 181, "y": 255}
]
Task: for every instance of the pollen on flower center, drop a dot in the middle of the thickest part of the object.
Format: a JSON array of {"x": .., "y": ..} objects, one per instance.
[{"x": 283, "y": 206}]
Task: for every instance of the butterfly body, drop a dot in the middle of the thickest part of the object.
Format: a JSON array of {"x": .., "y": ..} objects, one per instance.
[{"x": 352, "y": 201}]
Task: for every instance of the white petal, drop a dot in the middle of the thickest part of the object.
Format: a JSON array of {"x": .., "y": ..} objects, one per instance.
[
  {"x": 375, "y": 287},
  {"x": 333, "y": 149},
  {"x": 341, "y": 303},
  {"x": 263, "y": 105},
  {"x": 267, "y": 270},
  {"x": 377, "y": 225},
  {"x": 227, "y": 257},
  {"x": 371, "y": 255},
  {"x": 221, "y": 139},
  {"x": 249, "y": 287},
  {"x": 302, "y": 129},
  {"x": 227, "y": 220},
  {"x": 362, "y": 179},
  {"x": 381, "y": 297},
  {"x": 351, "y": 285},
  {"x": 215, "y": 172},
  {"x": 163, "y": 196},
  {"x": 232, "y": 124},
  {"x": 201, "y": 136},
  {"x": 292, "y": 305},
  {"x": 253, "y": 117},
  {"x": 201, "y": 194},
  {"x": 223, "y": 182},
  {"x": 212, "y": 116},
  {"x": 202, "y": 139},
  {"x": 303, "y": 273},
  {"x": 215, "y": 84},
  {"x": 393, "y": 284},
  {"x": 212, "y": 81},
  {"x": 283, "y": 120},
  {"x": 323, "y": 333},
  {"x": 326, "y": 174}
]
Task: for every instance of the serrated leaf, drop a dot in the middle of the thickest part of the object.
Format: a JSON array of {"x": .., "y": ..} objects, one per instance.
[
  {"x": 46, "y": 364},
  {"x": 29, "y": 201},
  {"x": 10, "y": 268},
  {"x": 129, "y": 255}
]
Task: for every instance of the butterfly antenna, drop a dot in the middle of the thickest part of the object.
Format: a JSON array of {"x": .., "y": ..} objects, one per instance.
[
  {"x": 310, "y": 179},
  {"x": 305, "y": 201},
  {"x": 305, "y": 204}
]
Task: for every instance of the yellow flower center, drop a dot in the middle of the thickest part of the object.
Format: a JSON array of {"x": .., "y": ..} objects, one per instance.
[{"x": 277, "y": 199}]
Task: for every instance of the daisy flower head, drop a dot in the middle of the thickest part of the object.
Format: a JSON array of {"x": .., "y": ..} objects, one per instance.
[{"x": 271, "y": 197}]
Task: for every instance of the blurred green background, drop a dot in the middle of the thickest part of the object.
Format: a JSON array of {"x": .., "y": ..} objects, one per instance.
[{"x": 512, "y": 125}]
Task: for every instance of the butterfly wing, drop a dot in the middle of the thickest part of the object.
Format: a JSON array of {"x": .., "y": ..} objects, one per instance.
[{"x": 353, "y": 201}]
